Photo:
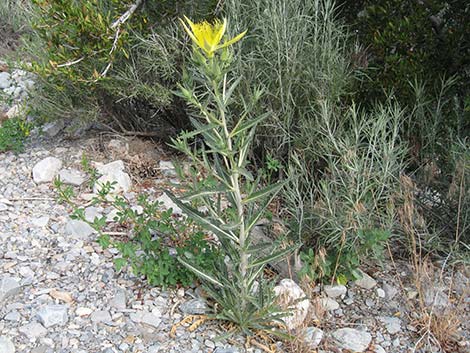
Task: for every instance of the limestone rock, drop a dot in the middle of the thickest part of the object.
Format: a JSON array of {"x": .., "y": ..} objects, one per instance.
[
  {"x": 72, "y": 177},
  {"x": 392, "y": 324},
  {"x": 145, "y": 317},
  {"x": 6, "y": 345},
  {"x": 100, "y": 316},
  {"x": 119, "y": 300},
  {"x": 33, "y": 330},
  {"x": 194, "y": 307},
  {"x": 5, "y": 80},
  {"x": 366, "y": 282},
  {"x": 352, "y": 339},
  {"x": 110, "y": 168},
  {"x": 13, "y": 112},
  {"x": 328, "y": 304},
  {"x": 167, "y": 168},
  {"x": 335, "y": 290},
  {"x": 121, "y": 182},
  {"x": 390, "y": 291},
  {"x": 8, "y": 287},
  {"x": 45, "y": 170},
  {"x": 52, "y": 315},
  {"x": 78, "y": 229},
  {"x": 291, "y": 297},
  {"x": 313, "y": 337}
]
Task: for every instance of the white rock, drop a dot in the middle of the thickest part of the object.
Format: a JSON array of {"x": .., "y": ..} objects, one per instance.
[
  {"x": 291, "y": 297},
  {"x": 79, "y": 229},
  {"x": 33, "y": 330},
  {"x": 392, "y": 324},
  {"x": 101, "y": 316},
  {"x": 91, "y": 213},
  {"x": 380, "y": 293},
  {"x": 40, "y": 222},
  {"x": 436, "y": 296},
  {"x": 13, "y": 112},
  {"x": 5, "y": 80},
  {"x": 6, "y": 345},
  {"x": 328, "y": 304},
  {"x": 119, "y": 300},
  {"x": 167, "y": 168},
  {"x": 352, "y": 339},
  {"x": 313, "y": 337},
  {"x": 145, "y": 317},
  {"x": 110, "y": 168},
  {"x": 390, "y": 291},
  {"x": 366, "y": 282},
  {"x": 72, "y": 177},
  {"x": 12, "y": 316},
  {"x": 45, "y": 170},
  {"x": 379, "y": 349},
  {"x": 112, "y": 214},
  {"x": 3, "y": 207},
  {"x": 81, "y": 311},
  {"x": 335, "y": 291},
  {"x": 8, "y": 287},
  {"x": 121, "y": 182},
  {"x": 52, "y": 315},
  {"x": 167, "y": 203}
]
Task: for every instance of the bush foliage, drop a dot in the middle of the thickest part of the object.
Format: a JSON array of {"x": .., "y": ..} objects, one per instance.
[{"x": 96, "y": 64}]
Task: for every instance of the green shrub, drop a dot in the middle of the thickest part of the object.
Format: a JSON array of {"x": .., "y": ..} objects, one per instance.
[
  {"x": 93, "y": 67},
  {"x": 404, "y": 40},
  {"x": 151, "y": 240},
  {"x": 14, "y": 15},
  {"x": 343, "y": 185},
  {"x": 13, "y": 133},
  {"x": 298, "y": 53}
]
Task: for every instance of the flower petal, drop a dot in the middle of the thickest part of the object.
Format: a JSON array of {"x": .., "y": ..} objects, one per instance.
[
  {"x": 190, "y": 33},
  {"x": 232, "y": 41}
]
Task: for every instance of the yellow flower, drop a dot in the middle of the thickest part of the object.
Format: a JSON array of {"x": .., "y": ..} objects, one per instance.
[{"x": 207, "y": 36}]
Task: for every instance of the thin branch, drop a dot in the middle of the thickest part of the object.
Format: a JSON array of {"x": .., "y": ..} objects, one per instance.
[
  {"x": 117, "y": 25},
  {"x": 70, "y": 63},
  {"x": 125, "y": 16}
]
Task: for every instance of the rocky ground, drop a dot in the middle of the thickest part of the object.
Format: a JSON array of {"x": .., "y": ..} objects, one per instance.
[{"x": 60, "y": 293}]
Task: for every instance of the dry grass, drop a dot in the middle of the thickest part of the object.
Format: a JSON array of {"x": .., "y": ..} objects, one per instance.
[
  {"x": 315, "y": 317},
  {"x": 436, "y": 313}
]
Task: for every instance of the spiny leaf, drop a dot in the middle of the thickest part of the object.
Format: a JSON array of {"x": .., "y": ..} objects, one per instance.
[{"x": 271, "y": 189}]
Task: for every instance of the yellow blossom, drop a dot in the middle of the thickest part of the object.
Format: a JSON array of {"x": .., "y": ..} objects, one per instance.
[{"x": 207, "y": 36}]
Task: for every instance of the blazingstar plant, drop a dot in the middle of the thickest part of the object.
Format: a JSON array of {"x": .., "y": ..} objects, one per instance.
[{"x": 219, "y": 147}]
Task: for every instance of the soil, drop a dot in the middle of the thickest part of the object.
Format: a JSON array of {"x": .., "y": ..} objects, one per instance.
[{"x": 9, "y": 41}]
